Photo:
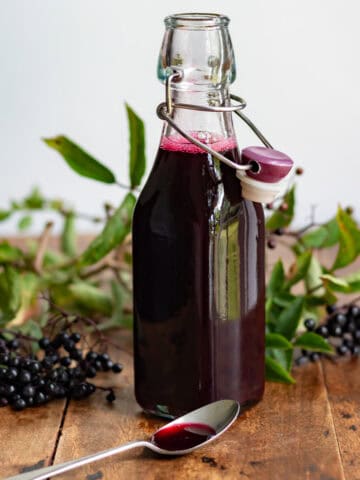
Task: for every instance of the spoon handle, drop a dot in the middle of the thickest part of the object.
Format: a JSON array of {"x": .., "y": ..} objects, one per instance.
[{"x": 46, "y": 472}]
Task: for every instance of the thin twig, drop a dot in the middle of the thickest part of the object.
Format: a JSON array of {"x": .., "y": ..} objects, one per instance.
[
  {"x": 94, "y": 271},
  {"x": 43, "y": 244}
]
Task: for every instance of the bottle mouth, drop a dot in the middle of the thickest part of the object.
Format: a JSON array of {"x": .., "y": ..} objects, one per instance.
[{"x": 196, "y": 21}]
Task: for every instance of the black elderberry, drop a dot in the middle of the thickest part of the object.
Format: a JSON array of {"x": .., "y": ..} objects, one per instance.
[
  {"x": 60, "y": 391},
  {"x": 19, "y": 404},
  {"x": 348, "y": 342},
  {"x": 50, "y": 388},
  {"x": 14, "y": 397},
  {"x": 63, "y": 376},
  {"x": 44, "y": 343},
  {"x": 342, "y": 350},
  {"x": 330, "y": 309},
  {"x": 24, "y": 376},
  {"x": 91, "y": 388},
  {"x": 77, "y": 373},
  {"x": 355, "y": 350},
  {"x": 64, "y": 337},
  {"x": 14, "y": 362},
  {"x": 35, "y": 367},
  {"x": 110, "y": 397},
  {"x": 4, "y": 402},
  {"x": 104, "y": 357},
  {"x": 301, "y": 360},
  {"x": 335, "y": 330},
  {"x": 340, "y": 319},
  {"x": 117, "y": 368},
  {"x": 28, "y": 391},
  {"x": 91, "y": 372},
  {"x": 98, "y": 365},
  {"x": 69, "y": 345},
  {"x": 354, "y": 311},
  {"x": 322, "y": 330},
  {"x": 271, "y": 244},
  {"x": 7, "y": 390},
  {"x": 75, "y": 354},
  {"x": 351, "y": 327},
  {"x": 75, "y": 337},
  {"x": 314, "y": 356},
  {"x": 80, "y": 391},
  {"x": 309, "y": 324},
  {"x": 65, "y": 361},
  {"x": 91, "y": 356},
  {"x": 279, "y": 231},
  {"x": 356, "y": 335},
  {"x": 12, "y": 373},
  {"x": 13, "y": 344},
  {"x": 107, "y": 365},
  {"x": 4, "y": 358},
  {"x": 40, "y": 398},
  {"x": 54, "y": 375}
]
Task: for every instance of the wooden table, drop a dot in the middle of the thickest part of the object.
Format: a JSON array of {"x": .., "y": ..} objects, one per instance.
[{"x": 306, "y": 431}]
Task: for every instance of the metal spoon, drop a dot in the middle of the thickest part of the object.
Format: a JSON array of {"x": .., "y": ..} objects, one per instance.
[{"x": 217, "y": 415}]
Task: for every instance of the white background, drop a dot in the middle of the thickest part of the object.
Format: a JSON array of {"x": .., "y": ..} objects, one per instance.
[{"x": 67, "y": 66}]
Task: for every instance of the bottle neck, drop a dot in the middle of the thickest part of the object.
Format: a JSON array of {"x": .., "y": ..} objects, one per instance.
[{"x": 208, "y": 127}]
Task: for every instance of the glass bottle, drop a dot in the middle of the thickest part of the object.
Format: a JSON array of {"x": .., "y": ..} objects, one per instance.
[{"x": 198, "y": 246}]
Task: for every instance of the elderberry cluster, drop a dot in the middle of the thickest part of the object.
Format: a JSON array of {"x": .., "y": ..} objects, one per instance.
[
  {"x": 341, "y": 328},
  {"x": 59, "y": 370}
]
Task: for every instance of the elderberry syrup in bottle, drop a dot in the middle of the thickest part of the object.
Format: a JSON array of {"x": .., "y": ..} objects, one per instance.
[{"x": 198, "y": 245}]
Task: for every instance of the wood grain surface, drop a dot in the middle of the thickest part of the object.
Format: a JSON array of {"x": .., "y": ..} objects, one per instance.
[{"x": 306, "y": 431}]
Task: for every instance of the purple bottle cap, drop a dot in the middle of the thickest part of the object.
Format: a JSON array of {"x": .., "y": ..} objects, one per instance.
[{"x": 272, "y": 165}]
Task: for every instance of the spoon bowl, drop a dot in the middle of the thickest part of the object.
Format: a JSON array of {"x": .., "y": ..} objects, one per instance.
[
  {"x": 192, "y": 431},
  {"x": 207, "y": 422}
]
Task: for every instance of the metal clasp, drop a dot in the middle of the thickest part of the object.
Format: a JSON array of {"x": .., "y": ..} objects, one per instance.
[{"x": 165, "y": 109}]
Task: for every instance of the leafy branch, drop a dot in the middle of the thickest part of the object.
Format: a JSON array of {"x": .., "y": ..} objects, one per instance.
[{"x": 96, "y": 282}]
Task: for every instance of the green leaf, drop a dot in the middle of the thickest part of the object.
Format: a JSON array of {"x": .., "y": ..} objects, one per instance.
[
  {"x": 79, "y": 160},
  {"x": 275, "y": 340},
  {"x": 113, "y": 234},
  {"x": 275, "y": 372},
  {"x": 313, "y": 280},
  {"x": 326, "y": 235},
  {"x": 349, "y": 241},
  {"x": 9, "y": 253},
  {"x": 4, "y": 214},
  {"x": 284, "y": 357},
  {"x": 289, "y": 319},
  {"x": 284, "y": 299},
  {"x": 280, "y": 219},
  {"x": 137, "y": 147},
  {"x": 335, "y": 283},
  {"x": 34, "y": 201},
  {"x": 313, "y": 341},
  {"x": 348, "y": 284},
  {"x": 353, "y": 280},
  {"x": 10, "y": 293},
  {"x": 301, "y": 267},
  {"x": 277, "y": 279},
  {"x": 91, "y": 298},
  {"x": 24, "y": 222},
  {"x": 118, "y": 317},
  {"x": 68, "y": 236}
]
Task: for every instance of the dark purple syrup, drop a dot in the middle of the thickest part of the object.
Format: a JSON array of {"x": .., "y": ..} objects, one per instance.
[
  {"x": 182, "y": 436},
  {"x": 198, "y": 260}
]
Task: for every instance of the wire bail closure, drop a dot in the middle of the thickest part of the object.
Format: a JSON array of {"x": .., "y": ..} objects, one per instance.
[{"x": 274, "y": 165}]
